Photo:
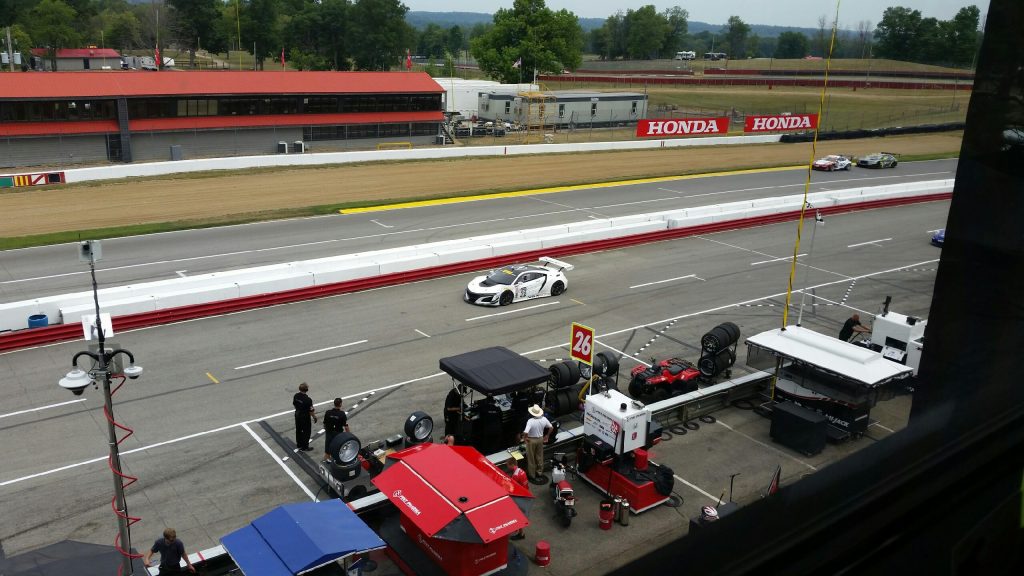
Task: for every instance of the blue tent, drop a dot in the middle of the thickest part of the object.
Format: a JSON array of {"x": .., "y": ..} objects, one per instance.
[{"x": 296, "y": 538}]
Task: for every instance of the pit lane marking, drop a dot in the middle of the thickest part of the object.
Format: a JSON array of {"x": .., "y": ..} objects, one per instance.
[
  {"x": 695, "y": 487},
  {"x": 772, "y": 448},
  {"x": 41, "y": 408},
  {"x": 663, "y": 281},
  {"x": 512, "y": 311},
  {"x": 421, "y": 333},
  {"x": 381, "y": 225},
  {"x": 874, "y": 242},
  {"x": 776, "y": 259},
  {"x": 280, "y": 463},
  {"x": 634, "y": 358},
  {"x": 301, "y": 354}
]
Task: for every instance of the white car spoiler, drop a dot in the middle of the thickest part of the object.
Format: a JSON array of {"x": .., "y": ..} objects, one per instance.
[{"x": 556, "y": 263}]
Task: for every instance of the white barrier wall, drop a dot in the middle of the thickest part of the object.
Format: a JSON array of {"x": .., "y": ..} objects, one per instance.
[
  {"x": 205, "y": 288},
  {"x": 315, "y": 159}
]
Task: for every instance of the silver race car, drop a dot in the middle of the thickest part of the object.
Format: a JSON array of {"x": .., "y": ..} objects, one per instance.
[
  {"x": 832, "y": 162},
  {"x": 877, "y": 160},
  {"x": 503, "y": 286}
]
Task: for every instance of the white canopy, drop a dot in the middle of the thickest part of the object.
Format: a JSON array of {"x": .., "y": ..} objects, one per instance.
[{"x": 830, "y": 355}]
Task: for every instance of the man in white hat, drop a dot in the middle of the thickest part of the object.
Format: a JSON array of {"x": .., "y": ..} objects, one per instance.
[{"x": 536, "y": 434}]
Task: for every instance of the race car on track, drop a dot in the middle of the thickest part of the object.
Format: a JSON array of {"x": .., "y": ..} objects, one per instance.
[
  {"x": 939, "y": 238},
  {"x": 877, "y": 160},
  {"x": 509, "y": 284},
  {"x": 832, "y": 162}
]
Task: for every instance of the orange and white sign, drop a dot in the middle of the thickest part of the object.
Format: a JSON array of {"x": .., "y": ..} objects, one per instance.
[{"x": 681, "y": 127}]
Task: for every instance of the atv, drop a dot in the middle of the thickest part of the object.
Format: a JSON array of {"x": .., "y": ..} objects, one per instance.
[{"x": 673, "y": 376}]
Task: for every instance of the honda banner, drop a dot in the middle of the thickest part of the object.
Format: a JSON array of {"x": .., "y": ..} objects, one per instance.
[
  {"x": 781, "y": 122},
  {"x": 681, "y": 127}
]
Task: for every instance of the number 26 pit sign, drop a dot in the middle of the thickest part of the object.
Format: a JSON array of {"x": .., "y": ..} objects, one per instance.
[{"x": 582, "y": 342}]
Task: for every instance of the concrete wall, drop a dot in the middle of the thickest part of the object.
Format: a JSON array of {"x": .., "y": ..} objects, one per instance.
[
  {"x": 59, "y": 150},
  {"x": 150, "y": 146}
]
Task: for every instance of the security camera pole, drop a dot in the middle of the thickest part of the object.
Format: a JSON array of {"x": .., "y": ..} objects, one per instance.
[{"x": 77, "y": 380}]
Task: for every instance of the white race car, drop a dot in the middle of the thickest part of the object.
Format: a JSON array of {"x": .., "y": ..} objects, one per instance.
[
  {"x": 832, "y": 162},
  {"x": 509, "y": 284}
]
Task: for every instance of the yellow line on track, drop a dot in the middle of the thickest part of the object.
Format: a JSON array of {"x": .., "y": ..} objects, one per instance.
[
  {"x": 214, "y": 380},
  {"x": 536, "y": 191}
]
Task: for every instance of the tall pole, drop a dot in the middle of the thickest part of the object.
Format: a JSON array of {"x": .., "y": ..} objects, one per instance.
[
  {"x": 124, "y": 535},
  {"x": 807, "y": 267},
  {"x": 10, "y": 49}
]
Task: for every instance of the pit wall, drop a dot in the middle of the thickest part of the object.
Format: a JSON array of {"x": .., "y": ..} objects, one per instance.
[{"x": 164, "y": 301}]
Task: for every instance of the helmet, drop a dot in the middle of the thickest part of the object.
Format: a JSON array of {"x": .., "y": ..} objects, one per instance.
[{"x": 708, "y": 513}]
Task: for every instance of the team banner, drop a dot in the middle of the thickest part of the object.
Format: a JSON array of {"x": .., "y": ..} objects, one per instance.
[
  {"x": 781, "y": 122},
  {"x": 681, "y": 127},
  {"x": 37, "y": 179}
]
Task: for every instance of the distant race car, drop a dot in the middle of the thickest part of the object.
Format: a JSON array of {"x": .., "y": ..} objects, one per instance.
[
  {"x": 509, "y": 284},
  {"x": 877, "y": 160},
  {"x": 939, "y": 237},
  {"x": 832, "y": 162}
]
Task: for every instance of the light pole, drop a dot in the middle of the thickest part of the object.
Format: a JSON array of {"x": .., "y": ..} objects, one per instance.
[
  {"x": 106, "y": 364},
  {"x": 818, "y": 219}
]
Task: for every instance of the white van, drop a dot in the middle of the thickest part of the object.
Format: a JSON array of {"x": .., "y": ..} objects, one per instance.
[{"x": 687, "y": 55}]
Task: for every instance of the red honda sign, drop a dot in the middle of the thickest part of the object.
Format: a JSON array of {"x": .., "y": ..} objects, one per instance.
[
  {"x": 681, "y": 127},
  {"x": 781, "y": 122}
]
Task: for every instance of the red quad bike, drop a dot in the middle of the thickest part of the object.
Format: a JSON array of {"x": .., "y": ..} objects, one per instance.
[{"x": 672, "y": 376}]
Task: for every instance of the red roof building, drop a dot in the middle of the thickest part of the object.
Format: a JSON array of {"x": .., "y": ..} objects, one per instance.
[{"x": 138, "y": 115}]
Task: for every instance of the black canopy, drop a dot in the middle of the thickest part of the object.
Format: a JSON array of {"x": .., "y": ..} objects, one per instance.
[{"x": 496, "y": 370}]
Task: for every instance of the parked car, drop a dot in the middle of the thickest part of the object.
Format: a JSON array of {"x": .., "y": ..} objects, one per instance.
[
  {"x": 832, "y": 162},
  {"x": 877, "y": 160},
  {"x": 509, "y": 284},
  {"x": 939, "y": 238}
]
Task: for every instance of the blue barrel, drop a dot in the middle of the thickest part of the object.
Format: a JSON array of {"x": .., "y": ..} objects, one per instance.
[{"x": 38, "y": 321}]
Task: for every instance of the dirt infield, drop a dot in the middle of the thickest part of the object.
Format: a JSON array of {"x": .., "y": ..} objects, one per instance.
[{"x": 226, "y": 198}]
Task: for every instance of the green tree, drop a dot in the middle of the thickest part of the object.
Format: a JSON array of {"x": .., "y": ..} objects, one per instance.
[
  {"x": 432, "y": 42},
  {"x": 736, "y": 32},
  {"x": 678, "y": 24},
  {"x": 455, "y": 40},
  {"x": 613, "y": 37},
  {"x": 14, "y": 11},
  {"x": 194, "y": 22},
  {"x": 380, "y": 34},
  {"x": 546, "y": 41},
  {"x": 51, "y": 27},
  {"x": 963, "y": 37},
  {"x": 753, "y": 46},
  {"x": 260, "y": 30},
  {"x": 791, "y": 45},
  {"x": 646, "y": 31},
  {"x": 122, "y": 30},
  {"x": 896, "y": 36}
]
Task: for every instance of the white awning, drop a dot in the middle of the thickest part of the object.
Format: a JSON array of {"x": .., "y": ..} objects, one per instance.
[{"x": 830, "y": 355}]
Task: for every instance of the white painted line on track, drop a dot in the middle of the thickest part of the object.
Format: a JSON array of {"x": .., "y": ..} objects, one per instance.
[
  {"x": 695, "y": 487},
  {"x": 631, "y": 357},
  {"x": 280, "y": 463},
  {"x": 512, "y": 311},
  {"x": 869, "y": 242},
  {"x": 705, "y": 238},
  {"x": 180, "y": 273},
  {"x": 663, "y": 281},
  {"x": 768, "y": 446},
  {"x": 890, "y": 430},
  {"x": 41, "y": 408},
  {"x": 422, "y": 333},
  {"x": 933, "y": 231},
  {"x": 776, "y": 259},
  {"x": 301, "y": 354},
  {"x": 381, "y": 225}
]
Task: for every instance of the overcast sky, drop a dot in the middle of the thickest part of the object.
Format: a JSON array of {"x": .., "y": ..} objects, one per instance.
[{"x": 777, "y": 12}]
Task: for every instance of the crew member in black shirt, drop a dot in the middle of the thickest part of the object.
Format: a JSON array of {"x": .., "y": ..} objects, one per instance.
[
  {"x": 304, "y": 411},
  {"x": 453, "y": 409},
  {"x": 851, "y": 326},
  {"x": 335, "y": 421}
]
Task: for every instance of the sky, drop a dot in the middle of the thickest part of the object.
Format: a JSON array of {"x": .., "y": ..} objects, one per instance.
[{"x": 803, "y": 13}]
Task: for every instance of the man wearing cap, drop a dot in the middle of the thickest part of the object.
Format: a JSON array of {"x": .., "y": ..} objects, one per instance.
[
  {"x": 304, "y": 411},
  {"x": 536, "y": 434},
  {"x": 335, "y": 421}
]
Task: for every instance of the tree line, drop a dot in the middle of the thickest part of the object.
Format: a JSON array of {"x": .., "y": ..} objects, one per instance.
[{"x": 374, "y": 35}]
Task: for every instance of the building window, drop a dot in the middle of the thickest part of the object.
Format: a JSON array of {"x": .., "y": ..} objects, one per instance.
[
  {"x": 508, "y": 107},
  {"x": 632, "y": 109},
  {"x": 561, "y": 110},
  {"x": 593, "y": 108}
]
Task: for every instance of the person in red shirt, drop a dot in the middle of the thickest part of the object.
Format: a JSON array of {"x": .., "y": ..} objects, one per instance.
[{"x": 518, "y": 476}]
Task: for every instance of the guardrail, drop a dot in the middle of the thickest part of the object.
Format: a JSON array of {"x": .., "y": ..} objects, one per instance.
[{"x": 145, "y": 304}]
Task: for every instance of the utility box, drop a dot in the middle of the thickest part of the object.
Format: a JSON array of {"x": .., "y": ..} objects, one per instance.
[
  {"x": 298, "y": 147},
  {"x": 282, "y": 147},
  {"x": 176, "y": 152},
  {"x": 798, "y": 428}
]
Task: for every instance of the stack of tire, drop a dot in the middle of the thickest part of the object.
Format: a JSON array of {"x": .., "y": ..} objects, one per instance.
[
  {"x": 718, "y": 352},
  {"x": 563, "y": 397}
]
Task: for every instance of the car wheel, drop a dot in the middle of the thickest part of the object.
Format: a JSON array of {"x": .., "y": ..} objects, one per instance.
[
  {"x": 344, "y": 448},
  {"x": 560, "y": 375},
  {"x": 848, "y": 166},
  {"x": 636, "y": 388},
  {"x": 419, "y": 426},
  {"x": 506, "y": 298},
  {"x": 893, "y": 164},
  {"x": 574, "y": 371},
  {"x": 610, "y": 364},
  {"x": 557, "y": 288}
]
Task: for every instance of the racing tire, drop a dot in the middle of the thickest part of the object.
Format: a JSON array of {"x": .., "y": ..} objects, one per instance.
[
  {"x": 346, "y": 471},
  {"x": 565, "y": 516},
  {"x": 506, "y": 298},
  {"x": 557, "y": 288},
  {"x": 560, "y": 375},
  {"x": 609, "y": 364},
  {"x": 419, "y": 426},
  {"x": 574, "y": 372},
  {"x": 894, "y": 163},
  {"x": 636, "y": 389},
  {"x": 848, "y": 166},
  {"x": 344, "y": 448}
]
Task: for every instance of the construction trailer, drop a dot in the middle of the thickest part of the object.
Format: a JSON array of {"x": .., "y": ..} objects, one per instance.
[
  {"x": 462, "y": 96},
  {"x": 563, "y": 108}
]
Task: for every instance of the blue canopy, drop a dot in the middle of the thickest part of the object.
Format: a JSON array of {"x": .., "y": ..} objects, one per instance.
[{"x": 296, "y": 538}]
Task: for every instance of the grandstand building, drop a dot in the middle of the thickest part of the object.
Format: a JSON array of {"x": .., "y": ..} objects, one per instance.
[{"x": 57, "y": 119}]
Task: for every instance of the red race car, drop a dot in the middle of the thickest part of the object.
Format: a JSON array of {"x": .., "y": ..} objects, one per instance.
[{"x": 673, "y": 376}]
